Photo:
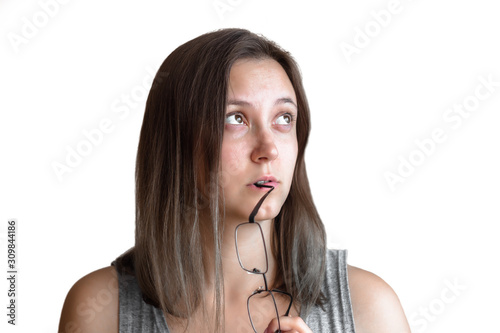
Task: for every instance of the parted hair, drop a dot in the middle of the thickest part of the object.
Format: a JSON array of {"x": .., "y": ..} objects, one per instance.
[{"x": 179, "y": 209}]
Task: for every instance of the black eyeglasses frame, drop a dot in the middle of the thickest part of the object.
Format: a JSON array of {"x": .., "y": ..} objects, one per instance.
[{"x": 265, "y": 288}]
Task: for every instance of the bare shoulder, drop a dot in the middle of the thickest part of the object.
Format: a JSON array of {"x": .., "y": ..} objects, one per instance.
[
  {"x": 376, "y": 307},
  {"x": 92, "y": 304}
]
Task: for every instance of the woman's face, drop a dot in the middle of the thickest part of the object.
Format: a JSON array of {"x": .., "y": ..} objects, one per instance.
[{"x": 260, "y": 139}]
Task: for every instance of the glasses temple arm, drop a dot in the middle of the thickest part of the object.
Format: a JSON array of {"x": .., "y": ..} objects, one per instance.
[{"x": 251, "y": 218}]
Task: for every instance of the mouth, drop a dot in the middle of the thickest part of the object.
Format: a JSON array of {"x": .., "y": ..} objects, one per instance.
[
  {"x": 262, "y": 182},
  {"x": 265, "y": 182}
]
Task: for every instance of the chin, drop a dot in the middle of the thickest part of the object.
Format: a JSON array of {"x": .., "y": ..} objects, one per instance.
[{"x": 267, "y": 214}]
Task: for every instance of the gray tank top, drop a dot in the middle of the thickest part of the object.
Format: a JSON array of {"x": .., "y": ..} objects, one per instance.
[{"x": 336, "y": 317}]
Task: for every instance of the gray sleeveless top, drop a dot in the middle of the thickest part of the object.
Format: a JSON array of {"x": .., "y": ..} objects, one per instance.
[{"x": 336, "y": 316}]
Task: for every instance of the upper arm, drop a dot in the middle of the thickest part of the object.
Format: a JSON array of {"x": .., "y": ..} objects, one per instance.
[
  {"x": 92, "y": 304},
  {"x": 376, "y": 307}
]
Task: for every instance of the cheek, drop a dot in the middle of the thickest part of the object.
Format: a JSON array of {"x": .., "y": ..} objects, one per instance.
[
  {"x": 231, "y": 157},
  {"x": 288, "y": 153}
]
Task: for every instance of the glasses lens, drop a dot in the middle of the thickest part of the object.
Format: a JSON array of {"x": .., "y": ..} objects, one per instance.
[
  {"x": 251, "y": 248},
  {"x": 264, "y": 306}
]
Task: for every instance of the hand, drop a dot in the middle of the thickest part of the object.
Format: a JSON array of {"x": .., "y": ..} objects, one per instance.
[{"x": 288, "y": 324}]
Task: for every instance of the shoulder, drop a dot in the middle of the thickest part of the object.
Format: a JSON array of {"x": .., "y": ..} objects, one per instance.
[
  {"x": 92, "y": 304},
  {"x": 376, "y": 307}
]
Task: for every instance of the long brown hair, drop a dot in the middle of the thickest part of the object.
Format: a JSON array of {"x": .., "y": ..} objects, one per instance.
[{"x": 178, "y": 181}]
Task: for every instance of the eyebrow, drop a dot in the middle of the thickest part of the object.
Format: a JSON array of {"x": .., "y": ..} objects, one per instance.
[
  {"x": 279, "y": 101},
  {"x": 285, "y": 100}
]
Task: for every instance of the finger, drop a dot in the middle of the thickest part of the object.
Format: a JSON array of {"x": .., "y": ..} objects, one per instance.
[{"x": 288, "y": 325}]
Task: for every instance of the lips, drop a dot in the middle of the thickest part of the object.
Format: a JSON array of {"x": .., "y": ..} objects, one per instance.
[{"x": 265, "y": 180}]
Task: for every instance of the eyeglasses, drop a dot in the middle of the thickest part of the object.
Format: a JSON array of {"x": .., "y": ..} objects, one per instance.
[{"x": 261, "y": 300}]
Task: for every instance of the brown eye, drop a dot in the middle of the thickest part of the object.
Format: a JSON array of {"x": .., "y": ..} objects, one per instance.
[
  {"x": 235, "y": 119},
  {"x": 284, "y": 119}
]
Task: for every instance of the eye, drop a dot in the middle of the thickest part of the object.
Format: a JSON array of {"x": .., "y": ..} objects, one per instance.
[
  {"x": 235, "y": 119},
  {"x": 284, "y": 119}
]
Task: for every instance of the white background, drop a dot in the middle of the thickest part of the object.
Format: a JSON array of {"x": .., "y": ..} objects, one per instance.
[{"x": 436, "y": 229}]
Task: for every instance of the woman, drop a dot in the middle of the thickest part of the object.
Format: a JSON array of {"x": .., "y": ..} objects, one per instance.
[{"x": 226, "y": 123}]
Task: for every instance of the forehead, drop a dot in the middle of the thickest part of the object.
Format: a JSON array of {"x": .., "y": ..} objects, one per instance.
[{"x": 259, "y": 78}]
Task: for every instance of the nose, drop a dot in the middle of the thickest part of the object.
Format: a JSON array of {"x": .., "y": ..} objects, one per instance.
[{"x": 265, "y": 149}]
